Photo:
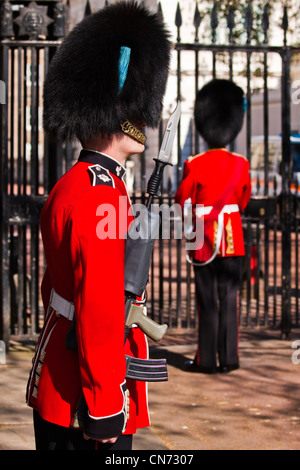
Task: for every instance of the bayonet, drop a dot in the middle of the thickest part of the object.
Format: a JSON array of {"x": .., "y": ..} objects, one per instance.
[
  {"x": 138, "y": 252},
  {"x": 164, "y": 154},
  {"x": 169, "y": 135}
]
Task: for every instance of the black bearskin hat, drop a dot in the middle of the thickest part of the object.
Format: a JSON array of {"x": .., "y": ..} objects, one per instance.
[
  {"x": 83, "y": 96},
  {"x": 219, "y": 112}
]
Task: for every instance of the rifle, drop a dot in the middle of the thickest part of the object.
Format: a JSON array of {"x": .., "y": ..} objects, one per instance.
[{"x": 138, "y": 251}]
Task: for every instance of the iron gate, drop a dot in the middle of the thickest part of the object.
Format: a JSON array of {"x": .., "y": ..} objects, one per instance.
[
  {"x": 269, "y": 293},
  {"x": 269, "y": 287}
]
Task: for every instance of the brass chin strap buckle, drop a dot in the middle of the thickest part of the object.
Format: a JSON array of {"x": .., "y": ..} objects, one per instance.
[{"x": 135, "y": 133}]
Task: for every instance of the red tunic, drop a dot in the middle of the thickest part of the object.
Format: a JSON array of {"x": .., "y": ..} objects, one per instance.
[
  {"x": 218, "y": 180},
  {"x": 83, "y": 226}
]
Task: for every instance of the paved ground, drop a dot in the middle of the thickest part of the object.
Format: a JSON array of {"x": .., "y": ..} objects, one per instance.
[{"x": 256, "y": 407}]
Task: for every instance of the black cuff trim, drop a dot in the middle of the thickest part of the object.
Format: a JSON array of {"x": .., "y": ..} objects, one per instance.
[
  {"x": 108, "y": 426},
  {"x": 104, "y": 427}
]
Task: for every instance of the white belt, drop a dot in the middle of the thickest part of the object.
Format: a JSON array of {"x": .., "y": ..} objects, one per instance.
[
  {"x": 227, "y": 209},
  {"x": 64, "y": 307},
  {"x": 200, "y": 212},
  {"x": 61, "y": 305}
]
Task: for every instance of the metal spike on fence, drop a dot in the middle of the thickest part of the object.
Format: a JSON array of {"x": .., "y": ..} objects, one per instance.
[
  {"x": 67, "y": 15},
  {"x": 178, "y": 20},
  {"x": 231, "y": 23},
  {"x": 265, "y": 23},
  {"x": 59, "y": 20},
  {"x": 248, "y": 22},
  {"x": 197, "y": 22},
  {"x": 285, "y": 23},
  {"x": 214, "y": 22},
  {"x": 87, "y": 10},
  {"x": 6, "y": 20},
  {"x": 159, "y": 10},
  {"x": 178, "y": 17}
]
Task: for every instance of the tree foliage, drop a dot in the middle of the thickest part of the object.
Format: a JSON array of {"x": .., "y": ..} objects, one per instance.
[{"x": 262, "y": 18}]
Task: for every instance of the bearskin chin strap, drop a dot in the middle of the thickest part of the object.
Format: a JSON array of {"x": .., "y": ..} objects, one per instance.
[{"x": 133, "y": 132}]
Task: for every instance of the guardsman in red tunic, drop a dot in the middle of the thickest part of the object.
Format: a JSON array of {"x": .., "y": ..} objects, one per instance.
[
  {"x": 105, "y": 83},
  {"x": 216, "y": 185}
]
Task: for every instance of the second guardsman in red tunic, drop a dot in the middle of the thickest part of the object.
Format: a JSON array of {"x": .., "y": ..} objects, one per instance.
[{"x": 216, "y": 185}]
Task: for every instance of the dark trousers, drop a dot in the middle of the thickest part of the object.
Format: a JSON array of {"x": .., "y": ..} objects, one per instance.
[
  {"x": 49, "y": 436},
  {"x": 217, "y": 286}
]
